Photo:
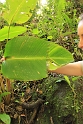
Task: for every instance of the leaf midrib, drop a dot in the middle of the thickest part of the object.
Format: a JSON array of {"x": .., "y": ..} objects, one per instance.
[
  {"x": 14, "y": 14},
  {"x": 29, "y": 58}
]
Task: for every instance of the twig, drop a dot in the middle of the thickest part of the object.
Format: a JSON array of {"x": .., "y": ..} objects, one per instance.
[
  {"x": 31, "y": 121},
  {"x": 32, "y": 105},
  {"x": 51, "y": 120}
]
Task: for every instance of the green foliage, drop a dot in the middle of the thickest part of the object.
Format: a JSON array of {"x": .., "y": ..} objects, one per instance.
[
  {"x": 35, "y": 31},
  {"x": 57, "y": 21},
  {"x": 27, "y": 59},
  {"x": 18, "y": 11},
  {"x": 5, "y": 118},
  {"x": 58, "y": 55},
  {"x": 13, "y": 32}
]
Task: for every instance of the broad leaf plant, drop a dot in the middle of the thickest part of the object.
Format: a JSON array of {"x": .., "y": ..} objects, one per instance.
[{"x": 27, "y": 57}]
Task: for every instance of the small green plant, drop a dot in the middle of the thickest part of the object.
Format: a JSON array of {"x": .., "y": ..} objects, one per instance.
[
  {"x": 4, "y": 117},
  {"x": 69, "y": 80}
]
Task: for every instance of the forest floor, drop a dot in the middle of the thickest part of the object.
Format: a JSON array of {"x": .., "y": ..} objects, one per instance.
[{"x": 29, "y": 99}]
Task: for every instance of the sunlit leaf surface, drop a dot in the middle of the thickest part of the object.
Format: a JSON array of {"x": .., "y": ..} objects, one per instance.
[
  {"x": 58, "y": 56},
  {"x": 8, "y": 33},
  {"x": 19, "y": 11},
  {"x": 25, "y": 59}
]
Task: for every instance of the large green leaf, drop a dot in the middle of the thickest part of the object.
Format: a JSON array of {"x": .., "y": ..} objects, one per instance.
[
  {"x": 25, "y": 59},
  {"x": 13, "y": 32},
  {"x": 19, "y": 11}
]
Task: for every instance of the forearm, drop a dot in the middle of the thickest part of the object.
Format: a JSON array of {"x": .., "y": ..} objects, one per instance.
[{"x": 72, "y": 69}]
